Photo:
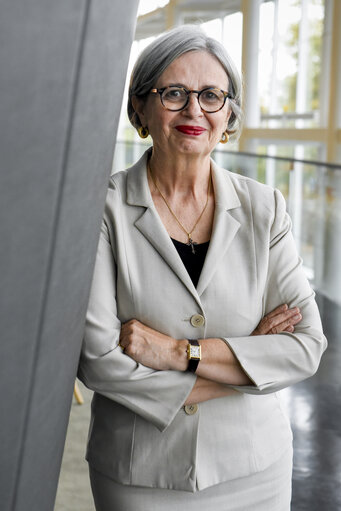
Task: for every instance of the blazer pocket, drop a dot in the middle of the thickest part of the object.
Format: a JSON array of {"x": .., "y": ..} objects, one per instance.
[
  {"x": 110, "y": 439},
  {"x": 271, "y": 431},
  {"x": 166, "y": 459}
]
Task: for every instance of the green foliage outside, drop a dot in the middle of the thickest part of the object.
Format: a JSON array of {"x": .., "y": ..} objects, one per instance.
[{"x": 288, "y": 99}]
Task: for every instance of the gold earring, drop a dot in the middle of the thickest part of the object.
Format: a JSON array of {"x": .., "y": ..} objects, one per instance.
[
  {"x": 143, "y": 131},
  {"x": 225, "y": 137}
]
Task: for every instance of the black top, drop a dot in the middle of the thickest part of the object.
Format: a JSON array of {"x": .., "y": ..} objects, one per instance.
[{"x": 192, "y": 262}]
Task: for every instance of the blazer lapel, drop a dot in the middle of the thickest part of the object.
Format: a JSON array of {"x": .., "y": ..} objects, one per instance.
[
  {"x": 225, "y": 226},
  {"x": 150, "y": 224}
]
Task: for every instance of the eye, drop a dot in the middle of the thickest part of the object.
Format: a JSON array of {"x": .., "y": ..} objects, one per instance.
[
  {"x": 211, "y": 95},
  {"x": 174, "y": 94}
]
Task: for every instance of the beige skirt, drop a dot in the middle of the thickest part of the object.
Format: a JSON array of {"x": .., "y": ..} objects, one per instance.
[{"x": 269, "y": 490}]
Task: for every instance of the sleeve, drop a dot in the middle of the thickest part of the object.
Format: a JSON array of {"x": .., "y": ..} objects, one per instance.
[
  {"x": 273, "y": 362},
  {"x": 155, "y": 395}
]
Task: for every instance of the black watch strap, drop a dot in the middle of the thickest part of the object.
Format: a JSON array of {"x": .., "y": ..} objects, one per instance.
[{"x": 192, "y": 362}]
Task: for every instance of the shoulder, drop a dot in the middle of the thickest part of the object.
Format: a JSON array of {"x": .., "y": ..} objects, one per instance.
[
  {"x": 255, "y": 190},
  {"x": 266, "y": 204},
  {"x": 263, "y": 205},
  {"x": 261, "y": 199},
  {"x": 127, "y": 188},
  {"x": 117, "y": 182}
]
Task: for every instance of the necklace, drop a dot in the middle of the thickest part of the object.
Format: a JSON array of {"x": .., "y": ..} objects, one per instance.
[{"x": 190, "y": 242}]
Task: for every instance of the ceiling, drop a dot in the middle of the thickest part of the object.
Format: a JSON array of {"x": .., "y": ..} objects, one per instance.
[{"x": 179, "y": 12}]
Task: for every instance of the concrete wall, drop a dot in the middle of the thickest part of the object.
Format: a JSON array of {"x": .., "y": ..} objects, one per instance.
[{"x": 62, "y": 73}]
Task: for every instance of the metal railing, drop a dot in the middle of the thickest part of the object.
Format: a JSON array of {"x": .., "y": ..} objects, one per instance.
[{"x": 312, "y": 190}]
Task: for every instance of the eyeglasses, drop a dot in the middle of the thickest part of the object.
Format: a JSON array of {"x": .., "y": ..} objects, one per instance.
[{"x": 177, "y": 98}]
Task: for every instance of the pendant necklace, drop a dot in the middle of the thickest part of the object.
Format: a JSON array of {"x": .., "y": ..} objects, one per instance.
[{"x": 191, "y": 243}]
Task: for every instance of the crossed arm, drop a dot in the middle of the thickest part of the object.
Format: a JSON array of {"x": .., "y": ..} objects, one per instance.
[
  {"x": 218, "y": 365},
  {"x": 159, "y": 384}
]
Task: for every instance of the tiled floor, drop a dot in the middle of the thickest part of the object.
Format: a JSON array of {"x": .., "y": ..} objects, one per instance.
[
  {"x": 315, "y": 411},
  {"x": 74, "y": 492}
]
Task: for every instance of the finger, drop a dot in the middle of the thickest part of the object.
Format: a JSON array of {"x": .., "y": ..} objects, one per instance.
[
  {"x": 280, "y": 318},
  {"x": 129, "y": 326},
  {"x": 123, "y": 340},
  {"x": 290, "y": 329},
  {"x": 278, "y": 310},
  {"x": 282, "y": 327},
  {"x": 293, "y": 319},
  {"x": 128, "y": 329},
  {"x": 266, "y": 323},
  {"x": 275, "y": 323},
  {"x": 282, "y": 315}
]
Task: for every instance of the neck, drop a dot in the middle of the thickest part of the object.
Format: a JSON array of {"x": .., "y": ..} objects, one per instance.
[{"x": 185, "y": 174}]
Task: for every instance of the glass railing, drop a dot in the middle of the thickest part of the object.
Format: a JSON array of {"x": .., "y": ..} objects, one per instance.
[{"x": 313, "y": 194}]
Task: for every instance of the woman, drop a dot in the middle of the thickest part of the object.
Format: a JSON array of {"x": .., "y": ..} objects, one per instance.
[{"x": 192, "y": 257}]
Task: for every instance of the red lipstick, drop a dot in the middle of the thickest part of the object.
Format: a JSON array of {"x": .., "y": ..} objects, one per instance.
[{"x": 190, "y": 130}]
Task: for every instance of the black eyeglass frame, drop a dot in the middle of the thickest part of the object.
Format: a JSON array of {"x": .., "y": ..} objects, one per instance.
[{"x": 188, "y": 92}]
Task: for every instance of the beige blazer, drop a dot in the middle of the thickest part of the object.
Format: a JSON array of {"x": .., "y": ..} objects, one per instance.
[{"x": 140, "y": 433}]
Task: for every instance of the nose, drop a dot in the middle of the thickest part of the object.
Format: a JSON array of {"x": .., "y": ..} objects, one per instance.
[{"x": 193, "y": 107}]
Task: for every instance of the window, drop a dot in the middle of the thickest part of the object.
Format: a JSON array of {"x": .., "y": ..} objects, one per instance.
[{"x": 290, "y": 55}]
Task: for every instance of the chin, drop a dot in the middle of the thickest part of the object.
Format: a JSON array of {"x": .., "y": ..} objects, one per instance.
[{"x": 191, "y": 147}]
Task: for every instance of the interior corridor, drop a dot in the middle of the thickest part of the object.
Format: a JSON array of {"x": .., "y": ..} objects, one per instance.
[{"x": 314, "y": 407}]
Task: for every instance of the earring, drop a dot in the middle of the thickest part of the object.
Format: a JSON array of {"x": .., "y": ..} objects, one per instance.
[
  {"x": 225, "y": 137},
  {"x": 143, "y": 131}
]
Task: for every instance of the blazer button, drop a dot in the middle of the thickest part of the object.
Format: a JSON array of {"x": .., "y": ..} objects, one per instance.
[
  {"x": 197, "y": 320},
  {"x": 191, "y": 409}
]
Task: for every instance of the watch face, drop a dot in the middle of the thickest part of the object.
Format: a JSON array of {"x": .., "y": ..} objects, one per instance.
[{"x": 195, "y": 352}]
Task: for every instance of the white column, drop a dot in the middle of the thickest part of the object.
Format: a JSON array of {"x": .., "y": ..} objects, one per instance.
[
  {"x": 302, "y": 64},
  {"x": 296, "y": 176},
  {"x": 326, "y": 62},
  {"x": 250, "y": 61},
  {"x": 334, "y": 114},
  {"x": 273, "y": 86},
  {"x": 250, "y": 9}
]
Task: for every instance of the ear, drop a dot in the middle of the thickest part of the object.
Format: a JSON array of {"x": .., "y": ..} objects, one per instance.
[{"x": 139, "y": 107}]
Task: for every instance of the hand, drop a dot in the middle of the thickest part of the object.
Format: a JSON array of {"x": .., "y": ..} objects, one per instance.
[
  {"x": 204, "y": 390},
  {"x": 152, "y": 348},
  {"x": 281, "y": 319}
]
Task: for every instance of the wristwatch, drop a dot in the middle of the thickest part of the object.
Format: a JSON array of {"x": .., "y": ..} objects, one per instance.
[{"x": 193, "y": 355}]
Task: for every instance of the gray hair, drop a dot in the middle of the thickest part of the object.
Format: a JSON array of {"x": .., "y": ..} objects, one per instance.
[{"x": 158, "y": 55}]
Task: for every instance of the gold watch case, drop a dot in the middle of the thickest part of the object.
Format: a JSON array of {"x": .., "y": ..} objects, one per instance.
[{"x": 193, "y": 352}]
